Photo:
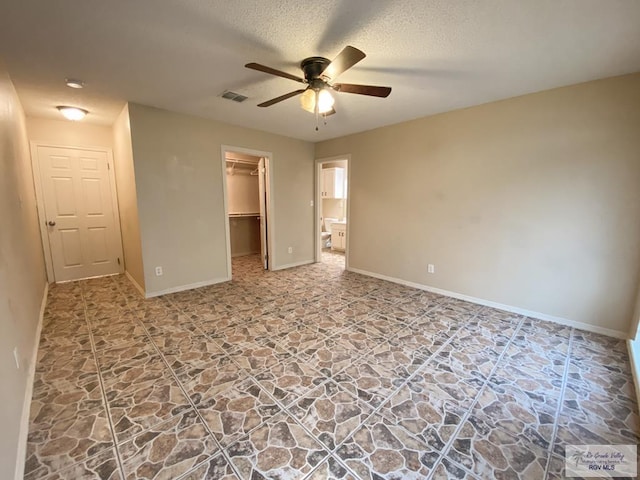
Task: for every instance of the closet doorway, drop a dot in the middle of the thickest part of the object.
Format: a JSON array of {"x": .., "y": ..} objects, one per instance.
[
  {"x": 246, "y": 175},
  {"x": 332, "y": 207}
]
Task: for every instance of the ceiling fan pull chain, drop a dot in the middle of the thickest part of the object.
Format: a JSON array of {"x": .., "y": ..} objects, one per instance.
[{"x": 317, "y": 109}]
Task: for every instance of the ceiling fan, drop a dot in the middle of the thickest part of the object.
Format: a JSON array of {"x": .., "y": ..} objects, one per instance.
[{"x": 319, "y": 75}]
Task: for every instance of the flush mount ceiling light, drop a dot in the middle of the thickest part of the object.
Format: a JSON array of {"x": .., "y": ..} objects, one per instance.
[
  {"x": 73, "y": 83},
  {"x": 72, "y": 113}
]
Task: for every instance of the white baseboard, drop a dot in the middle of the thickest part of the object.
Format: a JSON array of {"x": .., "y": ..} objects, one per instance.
[
  {"x": 529, "y": 313},
  {"x": 190, "y": 286},
  {"x": 28, "y": 393},
  {"x": 135, "y": 284},
  {"x": 634, "y": 357},
  {"x": 291, "y": 265}
]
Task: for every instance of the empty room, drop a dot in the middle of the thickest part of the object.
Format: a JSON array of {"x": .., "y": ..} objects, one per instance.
[{"x": 342, "y": 239}]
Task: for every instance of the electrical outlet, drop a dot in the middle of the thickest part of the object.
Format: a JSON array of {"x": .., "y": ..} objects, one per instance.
[
  {"x": 431, "y": 268},
  {"x": 290, "y": 249},
  {"x": 311, "y": 203},
  {"x": 158, "y": 271},
  {"x": 17, "y": 357}
]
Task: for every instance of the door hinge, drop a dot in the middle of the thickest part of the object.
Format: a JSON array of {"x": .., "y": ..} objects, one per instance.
[
  {"x": 108, "y": 166},
  {"x": 118, "y": 260}
]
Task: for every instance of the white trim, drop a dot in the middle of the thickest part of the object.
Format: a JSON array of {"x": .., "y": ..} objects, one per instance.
[
  {"x": 21, "y": 456},
  {"x": 225, "y": 204},
  {"x": 44, "y": 236},
  {"x": 37, "y": 181},
  {"x": 269, "y": 180},
  {"x": 634, "y": 357},
  {"x": 500, "y": 306},
  {"x": 296, "y": 264},
  {"x": 135, "y": 284},
  {"x": 190, "y": 286}
]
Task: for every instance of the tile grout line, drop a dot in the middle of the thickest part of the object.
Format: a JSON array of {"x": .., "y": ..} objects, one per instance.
[
  {"x": 563, "y": 388},
  {"x": 376, "y": 410},
  {"x": 328, "y": 379},
  {"x": 199, "y": 328},
  {"x": 466, "y": 416},
  {"x": 285, "y": 410},
  {"x": 405, "y": 382},
  {"x": 188, "y": 397},
  {"x": 102, "y": 388}
]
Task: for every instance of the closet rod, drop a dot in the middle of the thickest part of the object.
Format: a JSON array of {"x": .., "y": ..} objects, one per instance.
[{"x": 245, "y": 162}]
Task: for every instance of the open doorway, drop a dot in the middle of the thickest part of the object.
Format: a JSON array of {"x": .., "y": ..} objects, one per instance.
[
  {"x": 247, "y": 193},
  {"x": 332, "y": 197}
]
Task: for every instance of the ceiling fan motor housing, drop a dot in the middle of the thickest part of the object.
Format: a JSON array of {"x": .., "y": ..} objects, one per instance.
[{"x": 313, "y": 67}]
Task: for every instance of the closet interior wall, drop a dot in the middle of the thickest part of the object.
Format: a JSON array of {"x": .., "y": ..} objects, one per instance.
[{"x": 244, "y": 206}]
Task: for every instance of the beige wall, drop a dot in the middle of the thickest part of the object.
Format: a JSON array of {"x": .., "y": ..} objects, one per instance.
[
  {"x": 179, "y": 171},
  {"x": 69, "y": 134},
  {"x": 244, "y": 235},
  {"x": 22, "y": 278},
  {"x": 531, "y": 202},
  {"x": 243, "y": 192},
  {"x": 127, "y": 198},
  {"x": 334, "y": 208}
]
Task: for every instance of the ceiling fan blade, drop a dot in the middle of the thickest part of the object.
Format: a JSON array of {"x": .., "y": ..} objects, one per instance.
[
  {"x": 370, "y": 90},
  {"x": 346, "y": 59},
  {"x": 273, "y": 101},
  {"x": 273, "y": 71}
]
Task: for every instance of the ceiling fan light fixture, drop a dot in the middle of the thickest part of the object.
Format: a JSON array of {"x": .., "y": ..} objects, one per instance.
[
  {"x": 322, "y": 97},
  {"x": 325, "y": 101},
  {"x": 72, "y": 113},
  {"x": 308, "y": 100}
]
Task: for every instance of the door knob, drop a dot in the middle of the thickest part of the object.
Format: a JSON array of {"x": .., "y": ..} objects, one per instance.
[{"x": 51, "y": 223}]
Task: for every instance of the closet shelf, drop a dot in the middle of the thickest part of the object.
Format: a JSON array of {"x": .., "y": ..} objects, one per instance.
[{"x": 236, "y": 215}]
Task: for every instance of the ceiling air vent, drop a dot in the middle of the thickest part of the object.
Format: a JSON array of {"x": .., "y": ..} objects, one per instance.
[{"x": 236, "y": 97}]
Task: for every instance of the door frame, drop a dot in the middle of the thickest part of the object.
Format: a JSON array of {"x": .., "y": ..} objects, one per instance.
[
  {"x": 268, "y": 156},
  {"x": 318, "y": 204},
  {"x": 42, "y": 220}
]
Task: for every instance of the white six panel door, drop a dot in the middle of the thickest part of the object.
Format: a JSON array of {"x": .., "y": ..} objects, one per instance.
[{"x": 81, "y": 221}]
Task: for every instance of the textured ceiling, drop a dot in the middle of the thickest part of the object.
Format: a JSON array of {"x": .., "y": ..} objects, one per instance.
[{"x": 438, "y": 55}]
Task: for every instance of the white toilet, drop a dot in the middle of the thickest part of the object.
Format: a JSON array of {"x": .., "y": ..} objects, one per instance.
[{"x": 326, "y": 231}]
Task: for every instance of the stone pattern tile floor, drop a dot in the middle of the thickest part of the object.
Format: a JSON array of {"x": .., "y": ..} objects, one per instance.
[
  {"x": 332, "y": 257},
  {"x": 314, "y": 373}
]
